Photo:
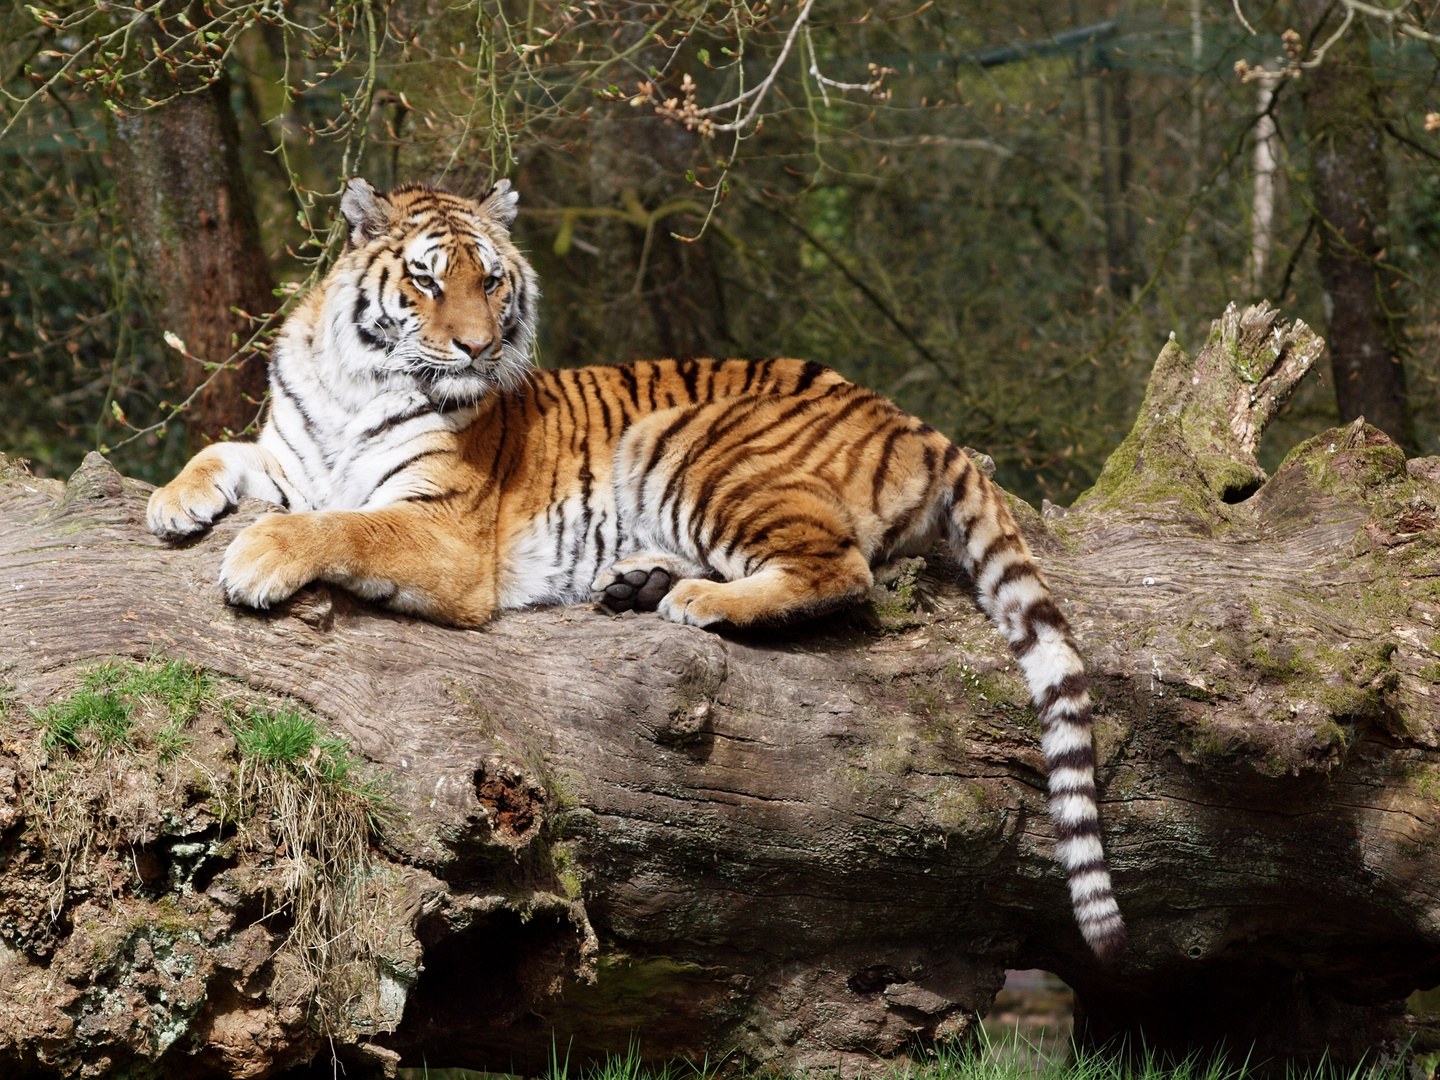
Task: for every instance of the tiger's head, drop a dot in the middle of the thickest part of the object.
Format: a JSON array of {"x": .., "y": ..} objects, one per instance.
[{"x": 439, "y": 291}]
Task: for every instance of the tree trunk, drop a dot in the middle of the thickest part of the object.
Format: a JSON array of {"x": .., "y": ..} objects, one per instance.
[
  {"x": 1197, "y": 134},
  {"x": 806, "y": 846},
  {"x": 192, "y": 223},
  {"x": 1348, "y": 184},
  {"x": 1112, "y": 91},
  {"x": 1262, "y": 199}
]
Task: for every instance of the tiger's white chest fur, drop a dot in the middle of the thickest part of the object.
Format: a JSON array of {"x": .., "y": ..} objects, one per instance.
[{"x": 344, "y": 431}]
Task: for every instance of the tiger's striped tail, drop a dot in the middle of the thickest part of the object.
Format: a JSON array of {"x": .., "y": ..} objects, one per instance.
[{"x": 984, "y": 537}]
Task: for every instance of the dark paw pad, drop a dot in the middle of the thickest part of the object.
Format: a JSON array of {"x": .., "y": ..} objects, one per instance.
[
  {"x": 657, "y": 584},
  {"x": 639, "y": 589}
]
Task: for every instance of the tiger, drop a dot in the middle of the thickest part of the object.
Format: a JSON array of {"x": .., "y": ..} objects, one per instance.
[{"x": 423, "y": 462}]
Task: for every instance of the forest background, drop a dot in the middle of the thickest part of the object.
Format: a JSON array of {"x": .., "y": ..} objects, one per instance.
[{"x": 995, "y": 213}]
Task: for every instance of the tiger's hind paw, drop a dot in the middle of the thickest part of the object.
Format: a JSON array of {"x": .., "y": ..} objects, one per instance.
[
  {"x": 640, "y": 582},
  {"x": 638, "y": 590}
]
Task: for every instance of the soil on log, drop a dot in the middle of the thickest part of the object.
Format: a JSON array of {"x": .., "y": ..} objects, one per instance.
[{"x": 803, "y": 847}]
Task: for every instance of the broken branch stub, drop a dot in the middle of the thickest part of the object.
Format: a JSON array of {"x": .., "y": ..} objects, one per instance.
[
  {"x": 1193, "y": 444},
  {"x": 1292, "y": 350}
]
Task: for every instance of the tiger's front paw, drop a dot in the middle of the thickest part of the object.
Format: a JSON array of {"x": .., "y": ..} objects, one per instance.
[
  {"x": 186, "y": 506},
  {"x": 267, "y": 562}
]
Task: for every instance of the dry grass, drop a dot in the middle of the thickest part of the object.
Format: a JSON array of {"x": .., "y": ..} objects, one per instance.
[{"x": 307, "y": 790}]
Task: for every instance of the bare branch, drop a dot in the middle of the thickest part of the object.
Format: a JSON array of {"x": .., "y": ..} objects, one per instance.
[{"x": 1241, "y": 16}]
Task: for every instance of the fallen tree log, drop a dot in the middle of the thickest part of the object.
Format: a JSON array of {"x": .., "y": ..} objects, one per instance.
[{"x": 805, "y": 847}]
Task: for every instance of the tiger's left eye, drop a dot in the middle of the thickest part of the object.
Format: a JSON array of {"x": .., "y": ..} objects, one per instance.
[
  {"x": 493, "y": 282},
  {"x": 425, "y": 281}
]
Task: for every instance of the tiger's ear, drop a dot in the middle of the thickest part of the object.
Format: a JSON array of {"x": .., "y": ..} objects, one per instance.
[
  {"x": 368, "y": 212},
  {"x": 501, "y": 204}
]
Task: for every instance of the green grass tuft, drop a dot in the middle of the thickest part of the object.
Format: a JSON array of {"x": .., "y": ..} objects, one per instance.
[
  {"x": 1012, "y": 1057},
  {"x": 291, "y": 738},
  {"x": 173, "y": 685},
  {"x": 321, "y": 814},
  {"x": 284, "y": 736},
  {"x": 100, "y": 714},
  {"x": 172, "y": 740}
]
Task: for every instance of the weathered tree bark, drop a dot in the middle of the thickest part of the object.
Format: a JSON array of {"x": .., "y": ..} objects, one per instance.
[
  {"x": 192, "y": 223},
  {"x": 806, "y": 846},
  {"x": 1351, "y": 193}
]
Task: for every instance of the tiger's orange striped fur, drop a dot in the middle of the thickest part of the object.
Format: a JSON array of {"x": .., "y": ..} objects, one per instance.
[{"x": 713, "y": 491}]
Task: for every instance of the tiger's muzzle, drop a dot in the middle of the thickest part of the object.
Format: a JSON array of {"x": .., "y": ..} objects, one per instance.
[{"x": 476, "y": 350}]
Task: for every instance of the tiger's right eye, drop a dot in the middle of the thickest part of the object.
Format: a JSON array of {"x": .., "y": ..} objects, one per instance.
[{"x": 425, "y": 281}]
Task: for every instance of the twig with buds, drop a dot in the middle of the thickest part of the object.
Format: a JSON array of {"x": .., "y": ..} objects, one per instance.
[{"x": 686, "y": 109}]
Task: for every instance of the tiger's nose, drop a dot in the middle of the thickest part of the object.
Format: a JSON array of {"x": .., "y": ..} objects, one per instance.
[{"x": 476, "y": 349}]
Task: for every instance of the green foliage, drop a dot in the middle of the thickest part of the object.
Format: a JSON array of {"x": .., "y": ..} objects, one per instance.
[
  {"x": 290, "y": 739},
  {"x": 284, "y": 736},
  {"x": 176, "y": 686},
  {"x": 991, "y": 246},
  {"x": 171, "y": 741},
  {"x": 627, "y": 1066},
  {"x": 290, "y": 736},
  {"x": 1013, "y": 1057},
  {"x": 76, "y": 336}
]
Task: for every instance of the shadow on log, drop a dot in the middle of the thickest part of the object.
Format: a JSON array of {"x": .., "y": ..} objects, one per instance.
[{"x": 801, "y": 848}]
